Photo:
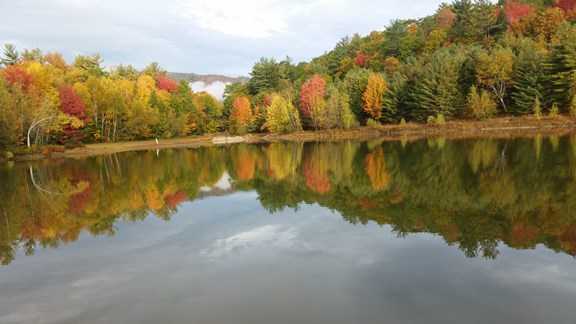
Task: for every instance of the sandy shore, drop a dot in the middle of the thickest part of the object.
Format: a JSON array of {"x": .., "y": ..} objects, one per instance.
[{"x": 505, "y": 127}]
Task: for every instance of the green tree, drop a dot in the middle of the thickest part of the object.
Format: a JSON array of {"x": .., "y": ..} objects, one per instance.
[
  {"x": 355, "y": 83},
  {"x": 402, "y": 39},
  {"x": 34, "y": 54},
  {"x": 339, "y": 114},
  {"x": 124, "y": 71},
  {"x": 531, "y": 79},
  {"x": 562, "y": 65},
  {"x": 437, "y": 90},
  {"x": 265, "y": 76},
  {"x": 89, "y": 65},
  {"x": 153, "y": 69},
  {"x": 395, "y": 96},
  {"x": 475, "y": 20},
  {"x": 11, "y": 55}
]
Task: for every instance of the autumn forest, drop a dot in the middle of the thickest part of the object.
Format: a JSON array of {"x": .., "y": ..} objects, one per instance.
[{"x": 470, "y": 59}]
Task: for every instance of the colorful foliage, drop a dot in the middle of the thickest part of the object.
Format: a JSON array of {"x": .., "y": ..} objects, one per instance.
[
  {"x": 373, "y": 97},
  {"x": 165, "y": 83},
  {"x": 16, "y": 75}
]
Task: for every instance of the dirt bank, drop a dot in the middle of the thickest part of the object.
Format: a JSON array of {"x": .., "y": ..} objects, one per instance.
[{"x": 504, "y": 127}]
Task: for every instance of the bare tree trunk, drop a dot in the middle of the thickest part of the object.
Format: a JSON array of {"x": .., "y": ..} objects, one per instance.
[{"x": 115, "y": 127}]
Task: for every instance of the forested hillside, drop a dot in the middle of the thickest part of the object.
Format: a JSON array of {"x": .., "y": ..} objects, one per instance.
[{"x": 469, "y": 59}]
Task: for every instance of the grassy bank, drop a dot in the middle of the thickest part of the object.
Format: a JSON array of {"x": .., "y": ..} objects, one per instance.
[{"x": 498, "y": 127}]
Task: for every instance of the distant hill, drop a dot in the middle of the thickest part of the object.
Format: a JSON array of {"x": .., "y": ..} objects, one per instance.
[{"x": 207, "y": 79}]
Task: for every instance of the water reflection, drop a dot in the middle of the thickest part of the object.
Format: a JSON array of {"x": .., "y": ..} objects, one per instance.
[{"x": 475, "y": 194}]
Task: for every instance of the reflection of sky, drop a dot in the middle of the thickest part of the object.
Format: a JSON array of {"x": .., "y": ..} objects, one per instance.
[
  {"x": 225, "y": 260},
  {"x": 223, "y": 183}
]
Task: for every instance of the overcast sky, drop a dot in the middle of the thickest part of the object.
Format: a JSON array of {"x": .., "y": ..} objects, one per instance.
[{"x": 201, "y": 36}]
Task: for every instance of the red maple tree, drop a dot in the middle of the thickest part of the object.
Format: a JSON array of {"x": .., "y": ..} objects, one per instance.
[
  {"x": 72, "y": 105},
  {"x": 516, "y": 10},
  {"x": 165, "y": 83},
  {"x": 361, "y": 59},
  {"x": 312, "y": 91},
  {"x": 16, "y": 75}
]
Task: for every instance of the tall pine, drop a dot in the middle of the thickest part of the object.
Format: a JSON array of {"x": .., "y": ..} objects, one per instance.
[{"x": 530, "y": 81}]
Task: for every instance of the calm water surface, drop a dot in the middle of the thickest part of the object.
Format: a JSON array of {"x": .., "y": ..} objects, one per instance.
[{"x": 434, "y": 231}]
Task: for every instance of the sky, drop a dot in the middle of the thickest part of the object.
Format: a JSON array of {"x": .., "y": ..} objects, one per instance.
[{"x": 200, "y": 36}]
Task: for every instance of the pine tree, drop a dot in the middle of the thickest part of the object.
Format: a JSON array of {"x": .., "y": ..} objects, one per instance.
[
  {"x": 437, "y": 92},
  {"x": 11, "y": 55},
  {"x": 562, "y": 65},
  {"x": 529, "y": 82}
]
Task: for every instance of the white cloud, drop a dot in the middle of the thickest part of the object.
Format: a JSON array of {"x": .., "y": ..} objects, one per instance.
[
  {"x": 200, "y": 36},
  {"x": 257, "y": 18}
]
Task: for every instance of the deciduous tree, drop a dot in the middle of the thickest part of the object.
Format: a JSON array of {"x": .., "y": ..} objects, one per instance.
[
  {"x": 165, "y": 83},
  {"x": 373, "y": 97},
  {"x": 312, "y": 100},
  {"x": 494, "y": 71},
  {"x": 240, "y": 115},
  {"x": 281, "y": 116}
]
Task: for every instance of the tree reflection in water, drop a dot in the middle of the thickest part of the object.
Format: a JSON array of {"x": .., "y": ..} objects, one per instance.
[{"x": 475, "y": 193}]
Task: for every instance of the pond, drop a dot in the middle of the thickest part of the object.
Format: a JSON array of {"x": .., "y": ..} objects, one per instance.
[{"x": 436, "y": 231}]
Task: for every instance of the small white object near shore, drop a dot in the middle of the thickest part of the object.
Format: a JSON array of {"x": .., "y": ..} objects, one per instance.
[{"x": 228, "y": 139}]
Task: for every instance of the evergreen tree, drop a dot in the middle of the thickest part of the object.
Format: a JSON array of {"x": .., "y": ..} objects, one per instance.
[
  {"x": 530, "y": 80},
  {"x": 474, "y": 21},
  {"x": 437, "y": 92},
  {"x": 11, "y": 55},
  {"x": 355, "y": 83},
  {"x": 562, "y": 66},
  {"x": 394, "y": 97}
]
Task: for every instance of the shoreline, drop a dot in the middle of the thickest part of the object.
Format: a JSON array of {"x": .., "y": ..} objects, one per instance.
[{"x": 503, "y": 127}]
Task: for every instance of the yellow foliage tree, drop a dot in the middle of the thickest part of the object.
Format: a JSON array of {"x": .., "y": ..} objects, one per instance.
[
  {"x": 282, "y": 116},
  {"x": 373, "y": 97}
]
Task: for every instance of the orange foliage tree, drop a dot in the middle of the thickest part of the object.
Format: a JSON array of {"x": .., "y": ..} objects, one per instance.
[
  {"x": 240, "y": 115},
  {"x": 312, "y": 99},
  {"x": 373, "y": 97}
]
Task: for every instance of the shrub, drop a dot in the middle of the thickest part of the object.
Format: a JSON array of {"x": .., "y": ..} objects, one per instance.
[
  {"x": 23, "y": 150},
  {"x": 481, "y": 104},
  {"x": 431, "y": 120},
  {"x": 554, "y": 111},
  {"x": 73, "y": 143},
  {"x": 372, "y": 123},
  {"x": 537, "y": 109},
  {"x": 440, "y": 119}
]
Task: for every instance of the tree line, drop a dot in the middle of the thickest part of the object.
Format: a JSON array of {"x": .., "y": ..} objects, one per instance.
[
  {"x": 470, "y": 59},
  {"x": 43, "y": 96}
]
